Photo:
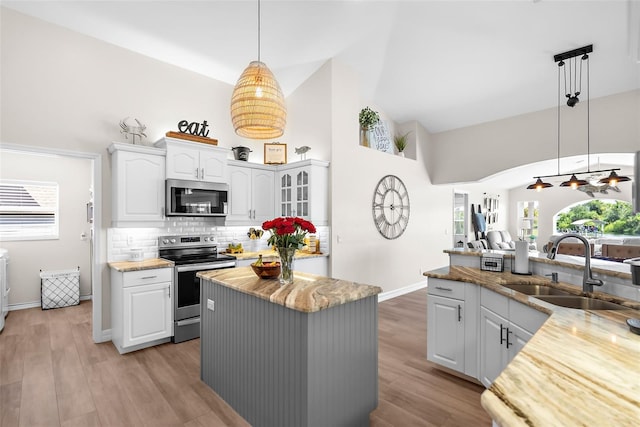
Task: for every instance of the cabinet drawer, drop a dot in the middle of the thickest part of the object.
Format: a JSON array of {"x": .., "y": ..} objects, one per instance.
[
  {"x": 446, "y": 288},
  {"x": 495, "y": 302},
  {"x": 146, "y": 277}
]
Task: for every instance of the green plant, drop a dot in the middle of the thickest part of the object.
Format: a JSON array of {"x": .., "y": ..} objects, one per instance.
[
  {"x": 368, "y": 117},
  {"x": 400, "y": 141}
]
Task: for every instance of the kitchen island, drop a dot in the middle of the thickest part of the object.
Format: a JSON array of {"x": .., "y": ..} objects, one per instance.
[{"x": 304, "y": 354}]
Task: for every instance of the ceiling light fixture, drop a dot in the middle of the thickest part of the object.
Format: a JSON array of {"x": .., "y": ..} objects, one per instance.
[
  {"x": 571, "y": 91},
  {"x": 257, "y": 104}
]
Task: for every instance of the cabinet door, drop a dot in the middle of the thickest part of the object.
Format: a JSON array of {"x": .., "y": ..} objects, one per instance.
[
  {"x": 263, "y": 197},
  {"x": 147, "y": 313},
  {"x": 239, "y": 194},
  {"x": 493, "y": 350},
  {"x": 445, "y": 332},
  {"x": 302, "y": 194},
  {"x": 518, "y": 338},
  {"x": 212, "y": 165},
  {"x": 183, "y": 163},
  {"x": 286, "y": 195},
  {"x": 138, "y": 187}
]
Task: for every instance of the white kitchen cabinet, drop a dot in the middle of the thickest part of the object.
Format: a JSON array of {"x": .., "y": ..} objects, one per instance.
[
  {"x": 506, "y": 326},
  {"x": 452, "y": 329},
  {"x": 138, "y": 189},
  {"x": 445, "y": 343},
  {"x": 251, "y": 193},
  {"x": 194, "y": 161},
  {"x": 303, "y": 189},
  {"x": 141, "y": 308}
]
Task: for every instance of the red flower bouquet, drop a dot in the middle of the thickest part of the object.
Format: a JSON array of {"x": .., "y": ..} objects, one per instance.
[
  {"x": 288, "y": 232},
  {"x": 287, "y": 235}
]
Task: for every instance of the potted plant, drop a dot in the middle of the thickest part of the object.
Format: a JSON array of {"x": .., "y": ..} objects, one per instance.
[
  {"x": 400, "y": 141},
  {"x": 368, "y": 118}
]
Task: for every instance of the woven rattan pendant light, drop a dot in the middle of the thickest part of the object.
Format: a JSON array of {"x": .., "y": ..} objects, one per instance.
[{"x": 257, "y": 104}]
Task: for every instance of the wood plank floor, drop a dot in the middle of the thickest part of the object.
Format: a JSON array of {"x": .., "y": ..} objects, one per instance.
[{"x": 52, "y": 374}]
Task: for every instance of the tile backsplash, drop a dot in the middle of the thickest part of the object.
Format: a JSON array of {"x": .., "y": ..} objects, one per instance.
[{"x": 120, "y": 241}]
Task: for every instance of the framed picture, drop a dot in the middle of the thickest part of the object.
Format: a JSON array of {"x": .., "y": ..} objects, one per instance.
[
  {"x": 275, "y": 153},
  {"x": 381, "y": 138}
]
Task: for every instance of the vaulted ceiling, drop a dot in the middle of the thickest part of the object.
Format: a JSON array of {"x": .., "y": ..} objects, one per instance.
[{"x": 446, "y": 64}]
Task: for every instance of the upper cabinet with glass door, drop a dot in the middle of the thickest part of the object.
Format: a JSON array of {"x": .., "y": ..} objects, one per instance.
[{"x": 303, "y": 189}]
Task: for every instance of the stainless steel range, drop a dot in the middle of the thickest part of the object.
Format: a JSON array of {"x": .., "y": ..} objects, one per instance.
[{"x": 190, "y": 254}]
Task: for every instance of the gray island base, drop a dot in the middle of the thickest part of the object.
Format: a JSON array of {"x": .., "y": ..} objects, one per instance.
[{"x": 304, "y": 354}]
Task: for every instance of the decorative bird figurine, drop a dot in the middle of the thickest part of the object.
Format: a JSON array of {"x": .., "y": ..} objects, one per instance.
[
  {"x": 133, "y": 130},
  {"x": 302, "y": 151}
]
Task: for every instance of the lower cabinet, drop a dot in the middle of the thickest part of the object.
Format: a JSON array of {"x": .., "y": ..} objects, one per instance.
[
  {"x": 475, "y": 331},
  {"x": 505, "y": 327},
  {"x": 141, "y": 308},
  {"x": 452, "y": 330}
]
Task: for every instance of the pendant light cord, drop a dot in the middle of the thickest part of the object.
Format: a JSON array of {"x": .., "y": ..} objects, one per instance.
[
  {"x": 588, "y": 115},
  {"x": 559, "y": 99},
  {"x": 258, "y": 30}
]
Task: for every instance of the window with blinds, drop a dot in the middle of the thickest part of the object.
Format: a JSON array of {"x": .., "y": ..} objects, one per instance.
[{"x": 28, "y": 210}]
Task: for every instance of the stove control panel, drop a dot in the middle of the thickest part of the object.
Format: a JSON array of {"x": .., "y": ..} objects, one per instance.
[{"x": 186, "y": 241}]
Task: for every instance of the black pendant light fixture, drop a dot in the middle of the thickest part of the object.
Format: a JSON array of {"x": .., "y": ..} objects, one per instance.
[
  {"x": 613, "y": 179},
  {"x": 572, "y": 91}
]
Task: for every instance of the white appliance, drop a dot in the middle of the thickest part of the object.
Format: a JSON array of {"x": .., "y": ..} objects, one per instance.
[{"x": 4, "y": 285}]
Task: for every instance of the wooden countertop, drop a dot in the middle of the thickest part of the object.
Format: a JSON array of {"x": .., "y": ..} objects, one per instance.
[
  {"x": 581, "y": 368},
  {"x": 308, "y": 292},
  {"x": 141, "y": 265}
]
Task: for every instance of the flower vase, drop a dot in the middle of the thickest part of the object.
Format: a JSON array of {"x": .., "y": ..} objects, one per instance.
[
  {"x": 364, "y": 136},
  {"x": 286, "y": 264}
]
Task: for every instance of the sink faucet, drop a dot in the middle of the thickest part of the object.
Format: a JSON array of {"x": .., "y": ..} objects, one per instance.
[{"x": 587, "y": 280}]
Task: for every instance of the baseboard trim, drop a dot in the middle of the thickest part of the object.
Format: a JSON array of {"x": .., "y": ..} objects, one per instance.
[
  {"x": 106, "y": 336},
  {"x": 37, "y": 304},
  {"x": 402, "y": 291}
]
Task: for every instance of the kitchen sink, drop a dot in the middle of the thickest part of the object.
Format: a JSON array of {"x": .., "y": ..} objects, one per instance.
[
  {"x": 584, "y": 303},
  {"x": 537, "y": 290}
]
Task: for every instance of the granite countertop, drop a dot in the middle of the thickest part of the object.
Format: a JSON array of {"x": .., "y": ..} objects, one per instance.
[
  {"x": 141, "y": 265},
  {"x": 308, "y": 292},
  {"x": 271, "y": 253},
  {"x": 581, "y": 367}
]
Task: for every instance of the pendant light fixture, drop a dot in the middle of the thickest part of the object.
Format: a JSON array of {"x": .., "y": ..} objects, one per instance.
[
  {"x": 257, "y": 104},
  {"x": 572, "y": 90}
]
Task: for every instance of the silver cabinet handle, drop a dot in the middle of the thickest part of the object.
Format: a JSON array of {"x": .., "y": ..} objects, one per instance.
[
  {"x": 202, "y": 172},
  {"x": 197, "y": 173},
  {"x": 444, "y": 289},
  {"x": 148, "y": 277}
]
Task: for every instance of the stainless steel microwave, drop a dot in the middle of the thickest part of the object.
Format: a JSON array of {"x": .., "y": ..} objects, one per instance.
[{"x": 196, "y": 198}]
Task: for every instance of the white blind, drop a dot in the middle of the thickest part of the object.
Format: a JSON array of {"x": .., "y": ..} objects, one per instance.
[{"x": 28, "y": 210}]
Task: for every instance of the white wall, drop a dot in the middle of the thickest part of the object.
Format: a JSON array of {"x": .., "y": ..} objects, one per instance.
[
  {"x": 28, "y": 257},
  {"x": 529, "y": 138}
]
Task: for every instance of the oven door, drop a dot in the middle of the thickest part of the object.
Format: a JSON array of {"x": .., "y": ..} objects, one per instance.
[{"x": 187, "y": 287}]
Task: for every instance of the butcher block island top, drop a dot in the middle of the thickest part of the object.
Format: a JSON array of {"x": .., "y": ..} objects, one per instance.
[
  {"x": 308, "y": 293},
  {"x": 582, "y": 367}
]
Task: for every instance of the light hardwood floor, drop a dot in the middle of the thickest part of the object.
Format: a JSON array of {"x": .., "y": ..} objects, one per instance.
[{"x": 52, "y": 374}]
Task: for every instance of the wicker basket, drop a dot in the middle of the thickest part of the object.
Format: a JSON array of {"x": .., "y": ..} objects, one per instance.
[{"x": 267, "y": 271}]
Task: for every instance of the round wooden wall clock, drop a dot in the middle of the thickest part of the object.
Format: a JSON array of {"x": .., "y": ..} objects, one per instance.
[{"x": 390, "y": 207}]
